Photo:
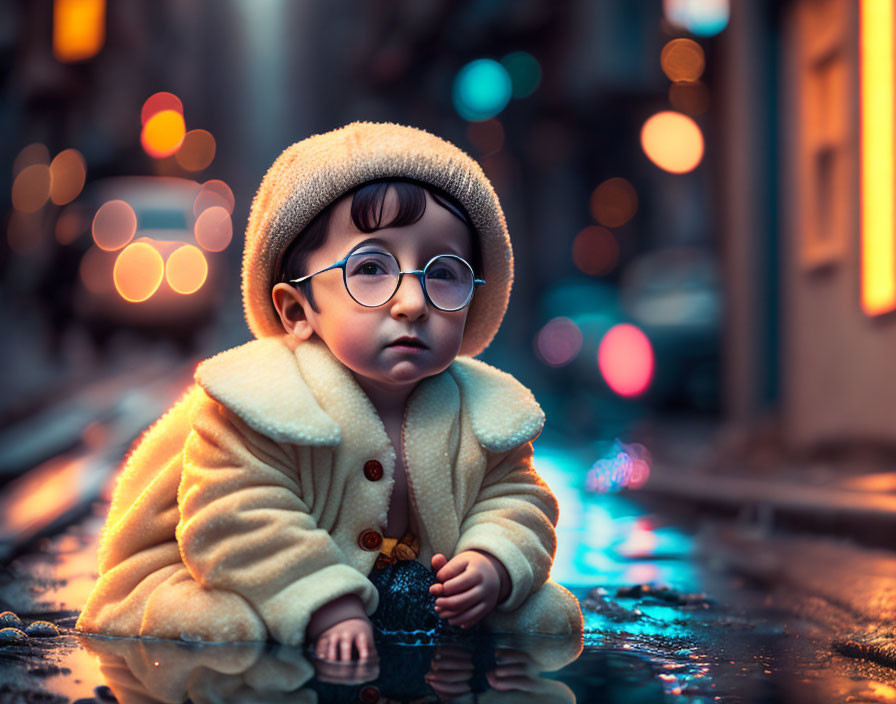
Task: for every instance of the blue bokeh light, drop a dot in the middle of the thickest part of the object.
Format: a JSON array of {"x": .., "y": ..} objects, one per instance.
[{"x": 481, "y": 90}]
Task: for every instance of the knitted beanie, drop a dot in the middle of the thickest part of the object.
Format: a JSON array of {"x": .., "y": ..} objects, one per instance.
[{"x": 313, "y": 173}]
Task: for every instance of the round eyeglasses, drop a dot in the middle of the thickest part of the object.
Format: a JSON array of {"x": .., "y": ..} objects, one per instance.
[{"x": 372, "y": 278}]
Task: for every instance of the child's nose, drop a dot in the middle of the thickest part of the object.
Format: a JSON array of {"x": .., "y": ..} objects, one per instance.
[{"x": 409, "y": 300}]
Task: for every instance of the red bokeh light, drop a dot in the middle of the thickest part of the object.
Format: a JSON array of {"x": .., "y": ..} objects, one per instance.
[{"x": 626, "y": 361}]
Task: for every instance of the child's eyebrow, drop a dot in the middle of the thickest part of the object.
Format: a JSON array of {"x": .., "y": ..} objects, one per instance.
[{"x": 442, "y": 248}]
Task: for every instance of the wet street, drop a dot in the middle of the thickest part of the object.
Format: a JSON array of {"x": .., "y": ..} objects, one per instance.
[{"x": 677, "y": 609}]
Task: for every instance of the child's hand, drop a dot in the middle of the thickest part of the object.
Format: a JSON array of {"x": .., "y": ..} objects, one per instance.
[
  {"x": 335, "y": 643},
  {"x": 469, "y": 587}
]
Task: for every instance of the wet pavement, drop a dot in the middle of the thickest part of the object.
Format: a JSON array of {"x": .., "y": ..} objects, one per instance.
[{"x": 677, "y": 609}]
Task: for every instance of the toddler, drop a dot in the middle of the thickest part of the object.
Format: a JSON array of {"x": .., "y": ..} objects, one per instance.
[{"x": 352, "y": 467}]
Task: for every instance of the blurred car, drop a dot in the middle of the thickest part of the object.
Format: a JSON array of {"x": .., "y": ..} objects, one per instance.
[{"x": 166, "y": 210}]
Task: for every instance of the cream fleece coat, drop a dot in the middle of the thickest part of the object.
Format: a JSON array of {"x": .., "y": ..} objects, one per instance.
[{"x": 240, "y": 511}]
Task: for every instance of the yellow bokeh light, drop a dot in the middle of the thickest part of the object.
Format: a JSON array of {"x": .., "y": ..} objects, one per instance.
[
  {"x": 682, "y": 60},
  {"x": 197, "y": 151},
  {"x": 114, "y": 225},
  {"x": 213, "y": 193},
  {"x": 138, "y": 272},
  {"x": 68, "y": 172},
  {"x": 163, "y": 134},
  {"x": 186, "y": 269},
  {"x": 213, "y": 229},
  {"x": 877, "y": 167},
  {"x": 79, "y": 29},
  {"x": 31, "y": 189},
  {"x": 672, "y": 141}
]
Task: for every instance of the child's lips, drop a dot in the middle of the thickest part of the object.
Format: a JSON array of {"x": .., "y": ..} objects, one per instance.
[{"x": 412, "y": 342}]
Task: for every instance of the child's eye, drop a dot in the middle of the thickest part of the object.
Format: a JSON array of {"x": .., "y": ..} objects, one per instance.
[
  {"x": 441, "y": 272},
  {"x": 372, "y": 265}
]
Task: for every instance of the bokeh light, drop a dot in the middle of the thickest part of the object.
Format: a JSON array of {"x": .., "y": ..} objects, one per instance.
[
  {"x": 487, "y": 136},
  {"x": 672, "y": 141},
  {"x": 614, "y": 202},
  {"x": 626, "y": 361},
  {"x": 70, "y": 225},
  {"x": 34, "y": 153},
  {"x": 481, "y": 90},
  {"x": 623, "y": 466},
  {"x": 95, "y": 271},
  {"x": 198, "y": 150},
  {"x": 558, "y": 342},
  {"x": 213, "y": 229},
  {"x": 682, "y": 60},
  {"x": 79, "y": 29},
  {"x": 68, "y": 172},
  {"x": 163, "y": 134},
  {"x": 186, "y": 269},
  {"x": 595, "y": 251},
  {"x": 138, "y": 272},
  {"x": 114, "y": 225},
  {"x": 705, "y": 18},
  {"x": 213, "y": 193},
  {"x": 159, "y": 102},
  {"x": 31, "y": 189},
  {"x": 691, "y": 97},
  {"x": 524, "y": 71}
]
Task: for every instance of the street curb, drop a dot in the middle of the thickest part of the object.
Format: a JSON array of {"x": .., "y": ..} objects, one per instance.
[{"x": 865, "y": 516}]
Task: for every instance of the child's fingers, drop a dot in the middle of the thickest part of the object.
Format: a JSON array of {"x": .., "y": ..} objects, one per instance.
[
  {"x": 439, "y": 561},
  {"x": 461, "y": 583},
  {"x": 363, "y": 646},
  {"x": 453, "y": 568},
  {"x": 459, "y": 602},
  {"x": 470, "y": 617}
]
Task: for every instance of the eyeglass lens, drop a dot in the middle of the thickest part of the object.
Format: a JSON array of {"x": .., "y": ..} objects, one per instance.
[{"x": 372, "y": 278}]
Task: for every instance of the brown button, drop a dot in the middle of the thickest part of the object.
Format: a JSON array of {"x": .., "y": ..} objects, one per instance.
[
  {"x": 373, "y": 470},
  {"x": 370, "y": 540},
  {"x": 369, "y": 695}
]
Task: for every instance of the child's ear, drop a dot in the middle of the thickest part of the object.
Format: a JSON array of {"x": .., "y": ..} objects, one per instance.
[{"x": 292, "y": 308}]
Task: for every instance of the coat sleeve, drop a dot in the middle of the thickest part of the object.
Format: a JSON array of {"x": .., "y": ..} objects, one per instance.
[
  {"x": 245, "y": 527},
  {"x": 513, "y": 518}
]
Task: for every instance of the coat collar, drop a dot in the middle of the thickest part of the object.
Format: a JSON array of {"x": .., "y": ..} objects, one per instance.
[{"x": 283, "y": 393}]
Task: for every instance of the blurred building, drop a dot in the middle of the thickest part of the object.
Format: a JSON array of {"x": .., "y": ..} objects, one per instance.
[{"x": 808, "y": 221}]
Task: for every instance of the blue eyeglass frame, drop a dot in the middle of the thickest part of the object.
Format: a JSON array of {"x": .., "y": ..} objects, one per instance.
[{"x": 419, "y": 273}]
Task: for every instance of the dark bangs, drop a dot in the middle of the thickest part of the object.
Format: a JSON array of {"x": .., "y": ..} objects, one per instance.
[{"x": 368, "y": 203}]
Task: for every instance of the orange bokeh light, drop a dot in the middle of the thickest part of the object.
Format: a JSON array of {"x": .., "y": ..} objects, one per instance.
[
  {"x": 114, "y": 225},
  {"x": 197, "y": 151},
  {"x": 31, "y": 189},
  {"x": 682, "y": 60},
  {"x": 158, "y": 102},
  {"x": 614, "y": 202},
  {"x": 79, "y": 29},
  {"x": 34, "y": 153},
  {"x": 595, "y": 251},
  {"x": 138, "y": 272},
  {"x": 213, "y": 193},
  {"x": 213, "y": 229},
  {"x": 70, "y": 225},
  {"x": 163, "y": 134},
  {"x": 672, "y": 141},
  {"x": 186, "y": 269},
  {"x": 626, "y": 361},
  {"x": 68, "y": 173}
]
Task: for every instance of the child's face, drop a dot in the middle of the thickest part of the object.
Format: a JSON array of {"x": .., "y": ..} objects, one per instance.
[{"x": 363, "y": 339}]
